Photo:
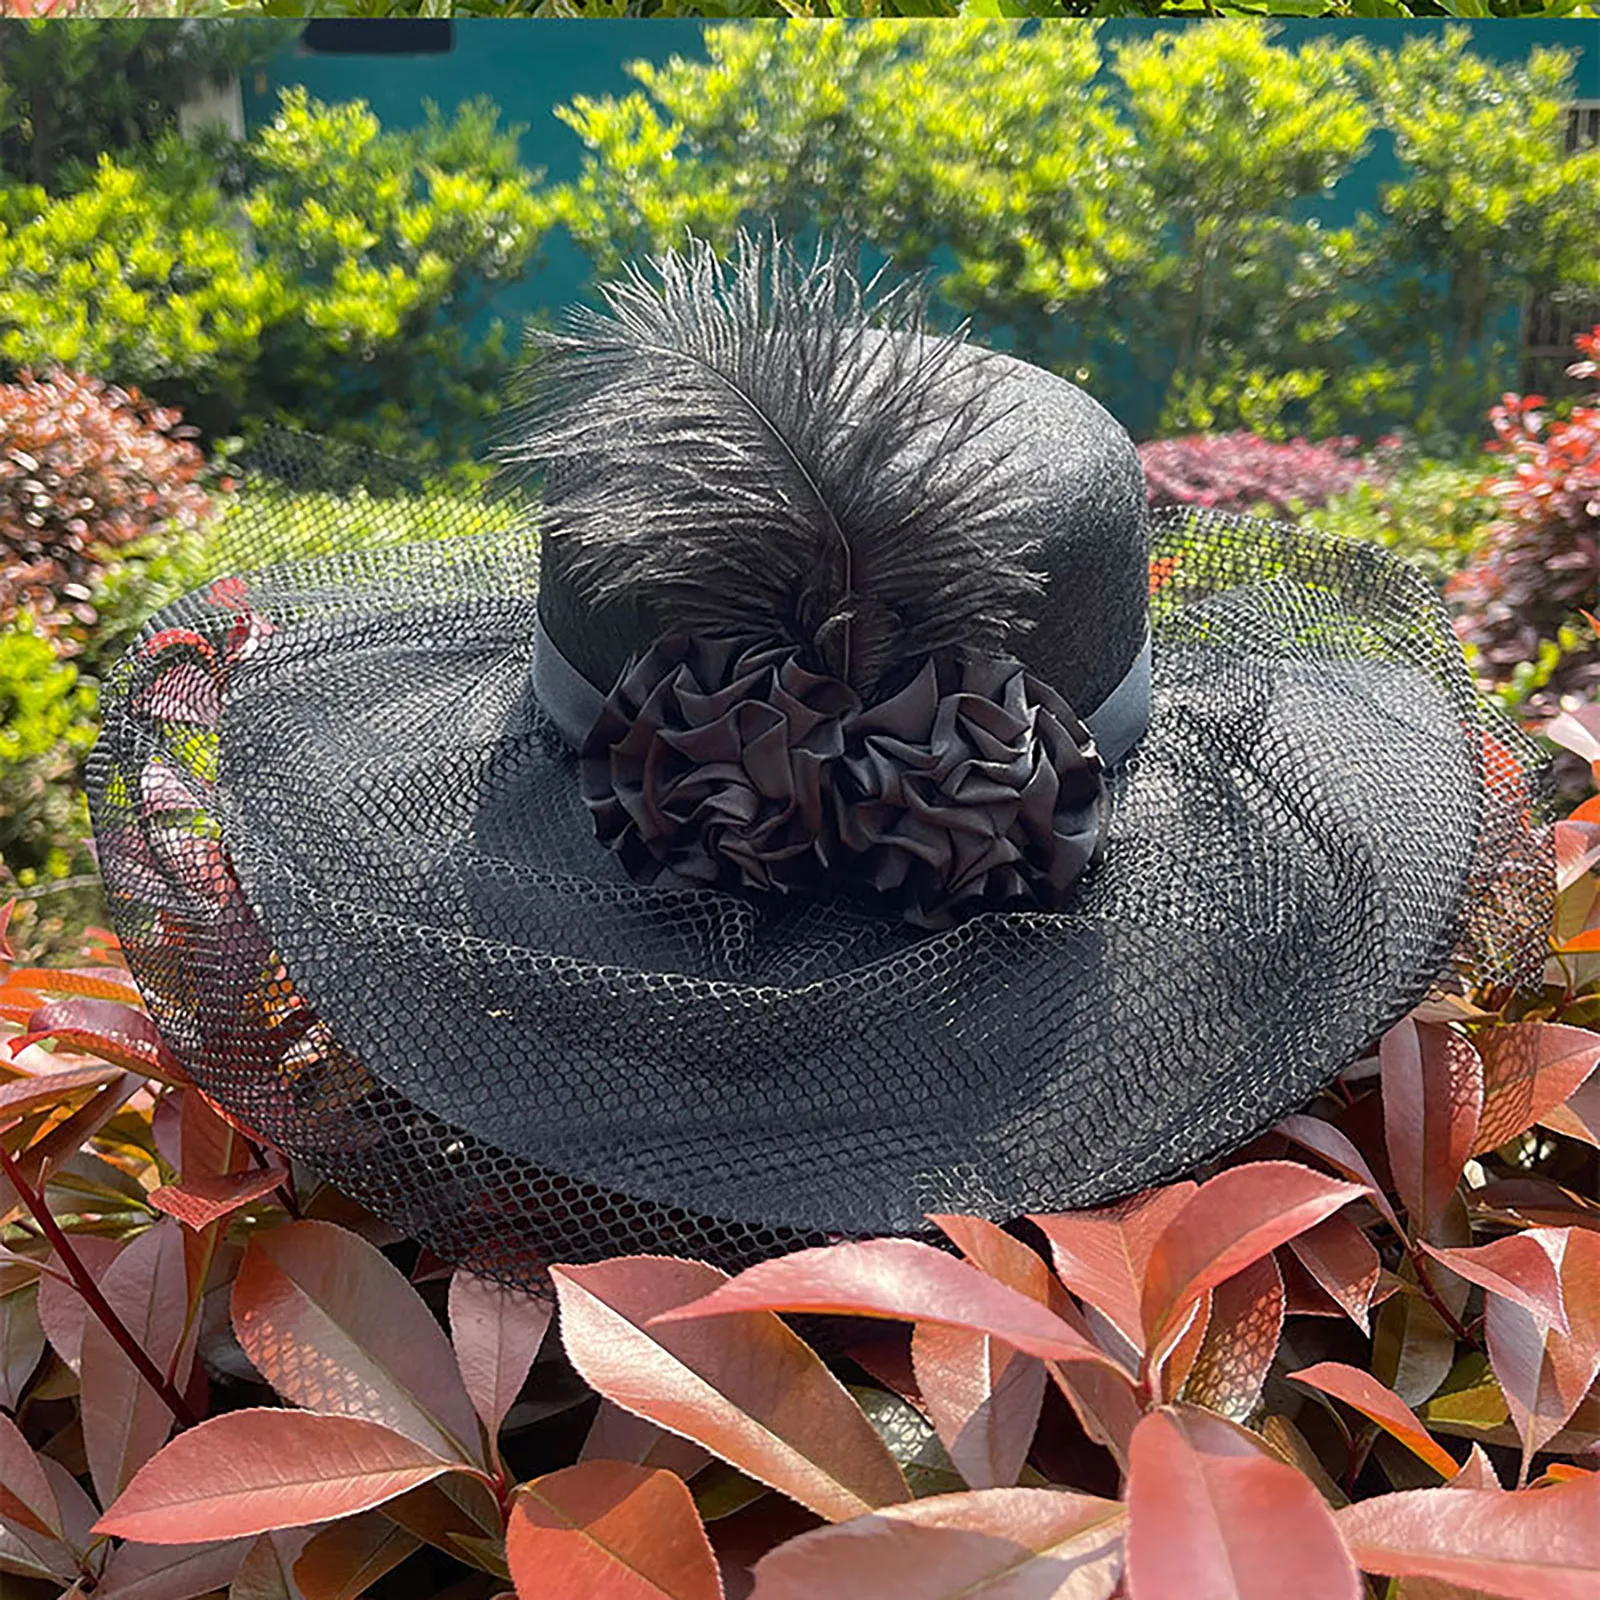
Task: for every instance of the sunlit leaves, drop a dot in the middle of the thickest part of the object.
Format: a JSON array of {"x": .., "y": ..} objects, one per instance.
[
  {"x": 497, "y": 1333},
  {"x": 1102, "y": 1256},
  {"x": 249, "y": 1472},
  {"x": 1529, "y": 1068},
  {"x": 335, "y": 1328},
  {"x": 1365, "y": 1394},
  {"x": 1432, "y": 1100},
  {"x": 613, "y": 1531},
  {"x": 744, "y": 1385},
  {"x": 1211, "y": 1514},
  {"x": 1545, "y": 1371},
  {"x": 896, "y": 1278},
  {"x": 1231, "y": 1221},
  {"x": 1535, "y": 1544},
  {"x": 992, "y": 1542}
]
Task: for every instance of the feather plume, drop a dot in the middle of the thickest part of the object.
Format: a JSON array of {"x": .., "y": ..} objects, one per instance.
[{"x": 769, "y": 447}]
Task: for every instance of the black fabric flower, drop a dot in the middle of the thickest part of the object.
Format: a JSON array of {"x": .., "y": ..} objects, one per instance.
[
  {"x": 713, "y": 759},
  {"x": 973, "y": 788}
]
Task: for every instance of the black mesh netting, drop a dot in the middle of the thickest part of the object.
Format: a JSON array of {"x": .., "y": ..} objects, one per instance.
[{"x": 353, "y": 875}]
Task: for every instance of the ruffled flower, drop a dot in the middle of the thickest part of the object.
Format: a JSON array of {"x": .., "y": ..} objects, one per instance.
[
  {"x": 973, "y": 787},
  {"x": 713, "y": 760}
]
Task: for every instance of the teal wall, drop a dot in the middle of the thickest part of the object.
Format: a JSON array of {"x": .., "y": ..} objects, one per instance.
[{"x": 527, "y": 69}]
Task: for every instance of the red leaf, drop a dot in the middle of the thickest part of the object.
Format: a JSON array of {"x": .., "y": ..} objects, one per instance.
[
  {"x": 1529, "y": 1068},
  {"x": 983, "y": 1397},
  {"x": 1383, "y": 1406},
  {"x": 21, "y": 1343},
  {"x": 1104, "y": 1400},
  {"x": 618, "y": 1435},
  {"x": 1432, "y": 1099},
  {"x": 267, "y": 1570},
  {"x": 61, "y": 1309},
  {"x": 125, "y": 1422},
  {"x": 93, "y": 983},
  {"x": 26, "y": 1500},
  {"x": 333, "y": 1327},
  {"x": 247, "y": 1472},
  {"x": 1176, "y": 1352},
  {"x": 497, "y": 1333},
  {"x": 1518, "y": 1268},
  {"x": 1573, "y": 732},
  {"x": 1334, "y": 1146},
  {"x": 1241, "y": 1339},
  {"x": 169, "y": 1572},
  {"x": 1544, "y": 1372},
  {"x": 1102, "y": 1256},
  {"x": 1341, "y": 1258},
  {"x": 1534, "y": 1544},
  {"x": 1208, "y": 1515},
  {"x": 344, "y": 1561},
  {"x": 1049, "y": 1543},
  {"x": 896, "y": 1278},
  {"x": 609, "y": 1530},
  {"x": 115, "y": 1033},
  {"x": 46, "y": 1091},
  {"x": 744, "y": 1386},
  {"x": 1578, "y": 1116},
  {"x": 1233, "y": 1219},
  {"x": 991, "y": 1249},
  {"x": 198, "y": 1202}
]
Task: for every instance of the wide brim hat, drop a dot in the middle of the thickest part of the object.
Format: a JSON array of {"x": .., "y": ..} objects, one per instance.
[{"x": 397, "y": 844}]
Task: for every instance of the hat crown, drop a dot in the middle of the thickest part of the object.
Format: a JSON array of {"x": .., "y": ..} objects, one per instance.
[
  {"x": 1077, "y": 495},
  {"x": 769, "y": 451}
]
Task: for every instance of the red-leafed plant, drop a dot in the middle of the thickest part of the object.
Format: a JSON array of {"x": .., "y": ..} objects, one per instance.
[
  {"x": 1358, "y": 1358},
  {"x": 84, "y": 468},
  {"x": 1539, "y": 568},
  {"x": 1241, "y": 472}
]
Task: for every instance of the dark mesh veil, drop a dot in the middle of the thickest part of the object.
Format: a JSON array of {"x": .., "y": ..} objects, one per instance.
[{"x": 346, "y": 852}]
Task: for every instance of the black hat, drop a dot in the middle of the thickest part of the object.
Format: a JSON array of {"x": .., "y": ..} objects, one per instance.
[{"x": 845, "y": 803}]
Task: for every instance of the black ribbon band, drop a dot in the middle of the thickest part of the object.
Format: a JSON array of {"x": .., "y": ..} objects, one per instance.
[{"x": 574, "y": 704}]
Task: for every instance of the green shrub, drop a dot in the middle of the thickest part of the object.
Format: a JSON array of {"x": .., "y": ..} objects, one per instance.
[
  {"x": 336, "y": 289},
  {"x": 47, "y": 724},
  {"x": 1490, "y": 209},
  {"x": 1435, "y": 513},
  {"x": 139, "y": 277},
  {"x": 68, "y": 95},
  {"x": 1162, "y": 223}
]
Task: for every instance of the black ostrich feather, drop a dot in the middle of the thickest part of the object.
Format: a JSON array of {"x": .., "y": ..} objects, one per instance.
[{"x": 768, "y": 447}]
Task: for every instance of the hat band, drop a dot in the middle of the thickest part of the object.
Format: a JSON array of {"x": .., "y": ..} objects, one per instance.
[{"x": 574, "y": 704}]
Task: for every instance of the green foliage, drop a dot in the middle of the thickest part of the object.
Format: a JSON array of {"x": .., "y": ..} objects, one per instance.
[
  {"x": 265, "y": 523},
  {"x": 336, "y": 288},
  {"x": 1164, "y": 221},
  {"x": 67, "y": 95},
  {"x": 612, "y": 9},
  {"x": 47, "y": 724},
  {"x": 1433, "y": 512},
  {"x": 1491, "y": 208},
  {"x": 139, "y": 276}
]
